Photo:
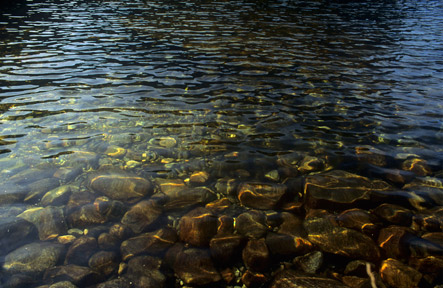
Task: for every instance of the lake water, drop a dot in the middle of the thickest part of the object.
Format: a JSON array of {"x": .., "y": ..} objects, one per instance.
[{"x": 269, "y": 92}]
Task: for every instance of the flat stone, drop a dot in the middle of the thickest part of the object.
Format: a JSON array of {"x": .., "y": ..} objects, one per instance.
[
  {"x": 260, "y": 195},
  {"x": 251, "y": 224},
  {"x": 294, "y": 279},
  {"x": 104, "y": 262},
  {"x": 80, "y": 276},
  {"x": 256, "y": 255},
  {"x": 399, "y": 275},
  {"x": 15, "y": 233},
  {"x": 152, "y": 242},
  {"x": 120, "y": 185},
  {"x": 50, "y": 221},
  {"x": 339, "y": 240},
  {"x": 360, "y": 220},
  {"x": 418, "y": 166},
  {"x": 170, "y": 186},
  {"x": 394, "y": 214},
  {"x": 57, "y": 196},
  {"x": 141, "y": 215},
  {"x": 339, "y": 189},
  {"x": 226, "y": 248},
  {"x": 309, "y": 263},
  {"x": 193, "y": 265},
  {"x": 101, "y": 211},
  {"x": 310, "y": 164},
  {"x": 33, "y": 258},
  {"x": 81, "y": 250},
  {"x": 198, "y": 227},
  {"x": 393, "y": 240},
  {"x": 188, "y": 197}
]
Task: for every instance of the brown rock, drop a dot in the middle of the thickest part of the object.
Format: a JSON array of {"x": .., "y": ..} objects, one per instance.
[
  {"x": 152, "y": 242},
  {"x": 430, "y": 266},
  {"x": 107, "y": 241},
  {"x": 141, "y": 215},
  {"x": 339, "y": 240},
  {"x": 218, "y": 206},
  {"x": 360, "y": 220},
  {"x": 416, "y": 165},
  {"x": 170, "y": 186},
  {"x": 199, "y": 177},
  {"x": 120, "y": 231},
  {"x": 286, "y": 245},
  {"x": 194, "y": 266},
  {"x": 292, "y": 225},
  {"x": 393, "y": 240},
  {"x": 79, "y": 275},
  {"x": 394, "y": 214},
  {"x": 188, "y": 197},
  {"x": 225, "y": 248},
  {"x": 293, "y": 279},
  {"x": 50, "y": 221},
  {"x": 256, "y": 255},
  {"x": 120, "y": 185},
  {"x": 251, "y": 224},
  {"x": 198, "y": 227},
  {"x": 104, "y": 262},
  {"x": 15, "y": 233},
  {"x": 144, "y": 271},
  {"x": 253, "y": 279},
  {"x": 57, "y": 196},
  {"x": 339, "y": 189},
  {"x": 225, "y": 225},
  {"x": 80, "y": 251},
  {"x": 371, "y": 155},
  {"x": 398, "y": 274},
  {"x": 260, "y": 195},
  {"x": 309, "y": 263}
]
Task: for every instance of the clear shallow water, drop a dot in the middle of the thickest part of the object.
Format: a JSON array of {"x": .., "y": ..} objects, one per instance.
[{"x": 234, "y": 83}]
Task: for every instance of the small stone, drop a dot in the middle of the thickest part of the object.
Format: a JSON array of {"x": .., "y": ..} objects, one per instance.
[
  {"x": 33, "y": 258},
  {"x": 199, "y": 177},
  {"x": 115, "y": 151},
  {"x": 66, "y": 239},
  {"x": 79, "y": 275},
  {"x": 193, "y": 266},
  {"x": 225, "y": 225},
  {"x": 107, "y": 241},
  {"x": 273, "y": 175},
  {"x": 418, "y": 166},
  {"x": 309, "y": 263},
  {"x": 185, "y": 198},
  {"x": 310, "y": 164},
  {"x": 152, "y": 242},
  {"x": 293, "y": 279},
  {"x": 339, "y": 189},
  {"x": 80, "y": 251},
  {"x": 120, "y": 185},
  {"x": 253, "y": 279},
  {"x": 251, "y": 224},
  {"x": 198, "y": 227},
  {"x": 225, "y": 248},
  {"x": 260, "y": 195},
  {"x": 57, "y": 196},
  {"x": 360, "y": 220},
  {"x": 371, "y": 155},
  {"x": 323, "y": 232},
  {"x": 256, "y": 255},
  {"x": 141, "y": 215},
  {"x": 394, "y": 214},
  {"x": 227, "y": 187},
  {"x": 218, "y": 206},
  {"x": 393, "y": 240},
  {"x": 104, "y": 262},
  {"x": 399, "y": 275},
  {"x": 50, "y": 221},
  {"x": 170, "y": 186}
]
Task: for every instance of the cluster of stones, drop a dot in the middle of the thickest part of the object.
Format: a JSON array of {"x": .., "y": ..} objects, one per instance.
[{"x": 299, "y": 228}]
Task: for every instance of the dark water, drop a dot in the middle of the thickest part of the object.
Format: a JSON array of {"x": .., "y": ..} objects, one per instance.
[{"x": 225, "y": 87}]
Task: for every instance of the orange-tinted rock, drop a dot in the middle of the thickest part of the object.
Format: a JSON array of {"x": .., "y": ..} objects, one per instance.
[
  {"x": 286, "y": 245},
  {"x": 394, "y": 214},
  {"x": 225, "y": 248},
  {"x": 199, "y": 177},
  {"x": 339, "y": 189},
  {"x": 399, "y": 275},
  {"x": 253, "y": 279},
  {"x": 418, "y": 166},
  {"x": 310, "y": 164},
  {"x": 260, "y": 195},
  {"x": 188, "y": 197},
  {"x": 251, "y": 224},
  {"x": 393, "y": 240},
  {"x": 198, "y": 227},
  {"x": 193, "y": 266},
  {"x": 359, "y": 219},
  {"x": 141, "y": 215},
  {"x": 256, "y": 255},
  {"x": 218, "y": 206},
  {"x": 152, "y": 242}
]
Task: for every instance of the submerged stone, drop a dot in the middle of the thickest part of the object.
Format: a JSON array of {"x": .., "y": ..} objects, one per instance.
[
  {"x": 260, "y": 195},
  {"x": 251, "y": 224},
  {"x": 324, "y": 233},
  {"x": 253, "y": 279},
  {"x": 188, "y": 197},
  {"x": 141, "y": 215},
  {"x": 226, "y": 248},
  {"x": 193, "y": 266},
  {"x": 152, "y": 242},
  {"x": 371, "y": 155},
  {"x": 33, "y": 258},
  {"x": 198, "y": 227},
  {"x": 393, "y": 240},
  {"x": 418, "y": 166},
  {"x": 15, "y": 232},
  {"x": 394, "y": 214},
  {"x": 339, "y": 188},
  {"x": 256, "y": 255},
  {"x": 120, "y": 185},
  {"x": 144, "y": 271},
  {"x": 309, "y": 263},
  {"x": 81, "y": 250},
  {"x": 79, "y": 275},
  {"x": 50, "y": 221},
  {"x": 57, "y": 196},
  {"x": 293, "y": 279},
  {"x": 360, "y": 220},
  {"x": 399, "y": 275},
  {"x": 104, "y": 262}
]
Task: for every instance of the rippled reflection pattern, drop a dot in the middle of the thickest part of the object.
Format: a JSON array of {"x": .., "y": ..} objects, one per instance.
[{"x": 237, "y": 88}]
